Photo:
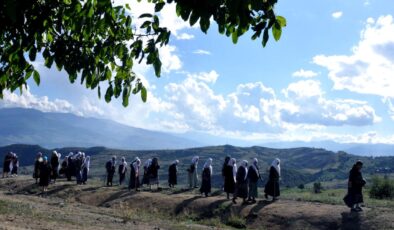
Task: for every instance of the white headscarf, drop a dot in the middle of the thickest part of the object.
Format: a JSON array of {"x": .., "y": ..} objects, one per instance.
[
  {"x": 233, "y": 163},
  {"x": 136, "y": 164},
  {"x": 87, "y": 162},
  {"x": 147, "y": 163},
  {"x": 175, "y": 162},
  {"x": 124, "y": 163},
  {"x": 195, "y": 159},
  {"x": 255, "y": 167},
  {"x": 70, "y": 154},
  {"x": 276, "y": 165},
  {"x": 244, "y": 164},
  {"x": 208, "y": 164}
]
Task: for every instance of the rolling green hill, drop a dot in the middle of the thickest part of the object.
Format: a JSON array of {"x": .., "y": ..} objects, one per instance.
[{"x": 299, "y": 165}]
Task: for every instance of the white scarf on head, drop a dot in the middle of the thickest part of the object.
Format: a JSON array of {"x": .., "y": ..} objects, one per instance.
[
  {"x": 208, "y": 164},
  {"x": 254, "y": 166},
  {"x": 233, "y": 163},
  {"x": 244, "y": 164},
  {"x": 195, "y": 160},
  {"x": 276, "y": 165},
  {"x": 136, "y": 165}
]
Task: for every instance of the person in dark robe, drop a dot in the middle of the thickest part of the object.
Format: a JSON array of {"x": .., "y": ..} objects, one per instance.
[
  {"x": 355, "y": 186},
  {"x": 153, "y": 172},
  {"x": 55, "y": 158},
  {"x": 71, "y": 166},
  {"x": 192, "y": 173},
  {"x": 206, "y": 178},
  {"x": 111, "y": 168},
  {"x": 78, "y": 160},
  {"x": 241, "y": 184},
  {"x": 63, "y": 168},
  {"x": 134, "y": 182},
  {"x": 122, "y": 169},
  {"x": 37, "y": 166},
  {"x": 172, "y": 174},
  {"x": 145, "y": 177},
  {"x": 253, "y": 178},
  {"x": 85, "y": 169},
  {"x": 45, "y": 174},
  {"x": 272, "y": 185},
  {"x": 7, "y": 164},
  {"x": 230, "y": 172},
  {"x": 226, "y": 160},
  {"x": 15, "y": 165}
]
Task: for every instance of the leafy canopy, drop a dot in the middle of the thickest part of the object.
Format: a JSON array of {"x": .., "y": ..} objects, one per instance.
[{"x": 96, "y": 42}]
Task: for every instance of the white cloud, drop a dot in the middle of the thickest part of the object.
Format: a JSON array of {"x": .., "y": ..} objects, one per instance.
[
  {"x": 209, "y": 77},
  {"x": 337, "y": 14},
  {"x": 304, "y": 73},
  {"x": 170, "y": 61},
  {"x": 202, "y": 52},
  {"x": 370, "y": 67},
  {"x": 185, "y": 36}
]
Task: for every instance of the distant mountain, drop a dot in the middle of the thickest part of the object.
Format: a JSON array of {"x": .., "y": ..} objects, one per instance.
[
  {"x": 299, "y": 165},
  {"x": 29, "y": 126},
  {"x": 360, "y": 149}
]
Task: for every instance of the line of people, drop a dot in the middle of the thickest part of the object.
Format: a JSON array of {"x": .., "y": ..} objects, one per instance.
[
  {"x": 47, "y": 171},
  {"x": 10, "y": 165},
  {"x": 241, "y": 182}
]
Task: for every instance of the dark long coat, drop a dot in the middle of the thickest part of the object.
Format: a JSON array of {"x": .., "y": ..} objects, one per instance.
[
  {"x": 172, "y": 174},
  {"x": 242, "y": 183},
  {"x": 229, "y": 183},
  {"x": 206, "y": 181},
  {"x": 272, "y": 185}
]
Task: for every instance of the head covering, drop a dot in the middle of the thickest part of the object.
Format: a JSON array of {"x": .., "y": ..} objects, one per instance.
[
  {"x": 70, "y": 154},
  {"x": 175, "y": 162},
  {"x": 147, "y": 163},
  {"x": 276, "y": 165},
  {"x": 54, "y": 152},
  {"x": 45, "y": 158},
  {"x": 123, "y": 159},
  {"x": 233, "y": 163},
  {"x": 39, "y": 154},
  {"x": 359, "y": 162},
  {"x": 208, "y": 164},
  {"x": 136, "y": 164},
  {"x": 255, "y": 167},
  {"x": 226, "y": 160},
  {"x": 244, "y": 164},
  {"x": 195, "y": 159},
  {"x": 87, "y": 162}
]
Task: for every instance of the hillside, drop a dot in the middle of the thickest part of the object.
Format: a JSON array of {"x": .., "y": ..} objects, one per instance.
[
  {"x": 299, "y": 165},
  {"x": 92, "y": 206},
  {"x": 29, "y": 126}
]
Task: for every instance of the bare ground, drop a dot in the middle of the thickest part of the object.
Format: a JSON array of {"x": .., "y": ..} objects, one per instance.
[{"x": 67, "y": 206}]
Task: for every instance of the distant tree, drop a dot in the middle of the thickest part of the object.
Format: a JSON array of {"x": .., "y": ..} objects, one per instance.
[
  {"x": 317, "y": 187},
  {"x": 95, "y": 42},
  {"x": 301, "y": 186}
]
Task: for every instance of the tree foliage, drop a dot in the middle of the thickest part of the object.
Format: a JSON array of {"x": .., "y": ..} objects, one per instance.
[{"x": 96, "y": 42}]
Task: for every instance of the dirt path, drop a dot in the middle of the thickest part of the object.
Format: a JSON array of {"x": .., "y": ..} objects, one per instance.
[{"x": 67, "y": 206}]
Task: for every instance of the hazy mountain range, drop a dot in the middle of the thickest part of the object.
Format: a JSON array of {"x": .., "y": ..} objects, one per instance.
[{"x": 54, "y": 130}]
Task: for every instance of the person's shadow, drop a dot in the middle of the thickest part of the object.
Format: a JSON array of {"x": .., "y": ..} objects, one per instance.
[{"x": 351, "y": 221}]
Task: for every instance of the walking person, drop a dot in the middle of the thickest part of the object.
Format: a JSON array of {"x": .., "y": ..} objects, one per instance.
[
  {"x": 230, "y": 173},
  {"x": 241, "y": 185},
  {"x": 7, "y": 163},
  {"x": 272, "y": 185},
  {"x": 192, "y": 173},
  {"x": 356, "y": 182},
  {"x": 55, "y": 162},
  {"x": 206, "y": 178},
  {"x": 37, "y": 165},
  {"x": 111, "y": 168},
  {"x": 253, "y": 178},
  {"x": 85, "y": 169},
  {"x": 172, "y": 174},
  {"x": 153, "y": 172},
  {"x": 71, "y": 166},
  {"x": 225, "y": 163},
  {"x": 122, "y": 169},
  {"x": 78, "y": 161},
  {"x": 45, "y": 174},
  {"x": 15, "y": 165},
  {"x": 145, "y": 177},
  {"x": 134, "y": 182}
]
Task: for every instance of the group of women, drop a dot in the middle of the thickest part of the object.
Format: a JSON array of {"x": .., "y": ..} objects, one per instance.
[
  {"x": 47, "y": 171},
  {"x": 10, "y": 165}
]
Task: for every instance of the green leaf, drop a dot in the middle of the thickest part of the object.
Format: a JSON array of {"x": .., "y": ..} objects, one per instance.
[
  {"x": 125, "y": 96},
  {"x": 281, "y": 20},
  {"x": 36, "y": 77},
  {"x": 109, "y": 94},
  {"x": 145, "y": 16},
  {"x": 32, "y": 53},
  {"x": 157, "y": 67},
  {"x": 234, "y": 37},
  {"x": 144, "y": 94},
  {"x": 265, "y": 37},
  {"x": 159, "y": 6},
  {"x": 276, "y": 31},
  {"x": 99, "y": 92},
  {"x": 67, "y": 2}
]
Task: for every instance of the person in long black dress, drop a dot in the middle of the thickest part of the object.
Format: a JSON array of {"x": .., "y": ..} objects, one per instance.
[
  {"x": 37, "y": 166},
  {"x": 253, "y": 178},
  {"x": 122, "y": 169},
  {"x": 134, "y": 182},
  {"x": 85, "y": 169},
  {"x": 206, "y": 178},
  {"x": 145, "y": 177},
  {"x": 272, "y": 185},
  {"x": 111, "y": 168},
  {"x": 355, "y": 186},
  {"x": 15, "y": 165},
  {"x": 45, "y": 174},
  {"x": 226, "y": 160},
  {"x": 153, "y": 172},
  {"x": 241, "y": 185},
  {"x": 230, "y": 172},
  {"x": 71, "y": 166},
  {"x": 172, "y": 174},
  {"x": 6, "y": 164},
  {"x": 55, "y": 158},
  {"x": 64, "y": 167}
]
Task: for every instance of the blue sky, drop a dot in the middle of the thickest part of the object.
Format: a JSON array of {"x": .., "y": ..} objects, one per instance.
[{"x": 330, "y": 77}]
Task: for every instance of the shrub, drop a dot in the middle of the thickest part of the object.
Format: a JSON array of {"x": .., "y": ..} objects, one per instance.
[
  {"x": 382, "y": 188},
  {"x": 301, "y": 186},
  {"x": 317, "y": 187}
]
